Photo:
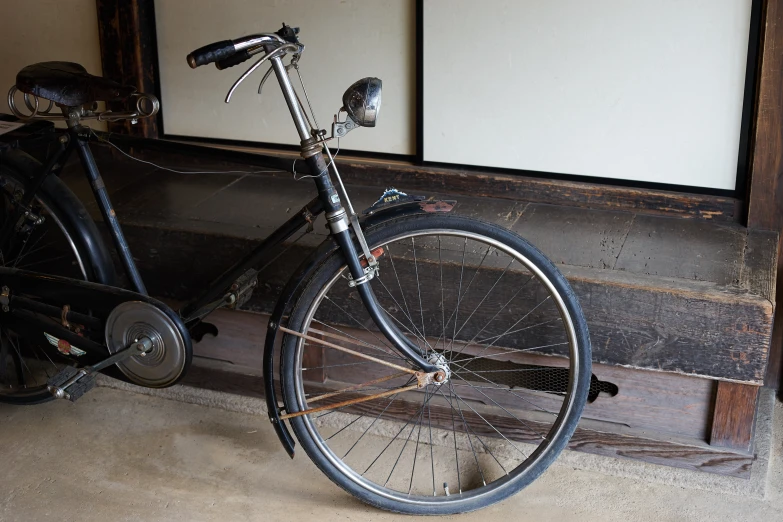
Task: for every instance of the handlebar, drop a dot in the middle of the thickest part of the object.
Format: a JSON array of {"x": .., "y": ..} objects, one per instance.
[
  {"x": 211, "y": 53},
  {"x": 228, "y": 53}
]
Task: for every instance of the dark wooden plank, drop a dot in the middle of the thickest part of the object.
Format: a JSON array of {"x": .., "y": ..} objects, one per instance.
[
  {"x": 129, "y": 54},
  {"x": 645, "y": 322},
  {"x": 575, "y": 236},
  {"x": 734, "y": 416},
  {"x": 759, "y": 270},
  {"x": 427, "y": 180},
  {"x": 687, "y": 327},
  {"x": 657, "y": 402},
  {"x": 687, "y": 249}
]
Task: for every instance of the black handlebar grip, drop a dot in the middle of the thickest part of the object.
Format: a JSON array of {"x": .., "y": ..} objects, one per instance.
[
  {"x": 234, "y": 59},
  {"x": 211, "y": 53}
]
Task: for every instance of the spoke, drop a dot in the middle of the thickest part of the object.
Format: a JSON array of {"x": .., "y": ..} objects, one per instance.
[
  {"x": 405, "y": 444},
  {"x": 21, "y": 360},
  {"x": 358, "y": 386},
  {"x": 485, "y": 297},
  {"x": 507, "y": 390},
  {"x": 432, "y": 455},
  {"x": 356, "y": 320},
  {"x": 455, "y": 313},
  {"x": 442, "y": 306},
  {"x": 496, "y": 403},
  {"x": 399, "y": 284},
  {"x": 393, "y": 398},
  {"x": 352, "y": 340},
  {"x": 40, "y": 364},
  {"x": 406, "y": 328},
  {"x": 418, "y": 335},
  {"x": 468, "y": 431},
  {"x": 459, "y": 300},
  {"x": 418, "y": 437},
  {"x": 334, "y": 366},
  {"x": 393, "y": 439},
  {"x": 493, "y": 428},
  {"x": 518, "y": 330},
  {"x": 33, "y": 250},
  {"x": 451, "y": 358},
  {"x": 537, "y": 369},
  {"x": 418, "y": 288},
  {"x": 346, "y": 350},
  {"x": 365, "y": 343},
  {"x": 497, "y": 338},
  {"x": 456, "y": 454},
  {"x": 514, "y": 350},
  {"x": 20, "y": 256}
]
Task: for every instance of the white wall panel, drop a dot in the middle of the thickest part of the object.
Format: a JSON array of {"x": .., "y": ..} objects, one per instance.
[
  {"x": 346, "y": 40},
  {"x": 646, "y": 91}
]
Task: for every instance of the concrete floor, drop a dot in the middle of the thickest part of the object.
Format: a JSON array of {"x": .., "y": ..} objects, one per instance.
[{"x": 121, "y": 456}]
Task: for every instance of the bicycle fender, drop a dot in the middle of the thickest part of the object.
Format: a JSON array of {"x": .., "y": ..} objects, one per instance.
[{"x": 371, "y": 218}]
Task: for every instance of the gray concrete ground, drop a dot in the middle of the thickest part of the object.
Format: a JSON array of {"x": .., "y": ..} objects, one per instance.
[{"x": 117, "y": 455}]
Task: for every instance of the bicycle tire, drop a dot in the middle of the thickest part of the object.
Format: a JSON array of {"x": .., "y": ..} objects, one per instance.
[{"x": 324, "y": 454}]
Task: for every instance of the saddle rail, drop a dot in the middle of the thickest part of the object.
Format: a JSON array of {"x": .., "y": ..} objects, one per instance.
[{"x": 145, "y": 106}]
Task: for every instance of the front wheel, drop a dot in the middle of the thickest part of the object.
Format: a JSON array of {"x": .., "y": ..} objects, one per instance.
[{"x": 486, "y": 307}]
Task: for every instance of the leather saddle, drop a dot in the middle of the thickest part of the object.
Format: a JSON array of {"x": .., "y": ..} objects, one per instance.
[{"x": 69, "y": 84}]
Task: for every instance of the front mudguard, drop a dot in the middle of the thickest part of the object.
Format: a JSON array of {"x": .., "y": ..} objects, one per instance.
[{"x": 373, "y": 217}]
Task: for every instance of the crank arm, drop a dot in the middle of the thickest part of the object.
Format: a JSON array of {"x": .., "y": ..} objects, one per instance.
[
  {"x": 140, "y": 347},
  {"x": 73, "y": 376}
]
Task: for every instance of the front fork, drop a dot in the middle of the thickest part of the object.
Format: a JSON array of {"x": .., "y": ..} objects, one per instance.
[{"x": 339, "y": 224}]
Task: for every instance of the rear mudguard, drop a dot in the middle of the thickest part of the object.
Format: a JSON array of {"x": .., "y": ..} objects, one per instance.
[{"x": 287, "y": 299}]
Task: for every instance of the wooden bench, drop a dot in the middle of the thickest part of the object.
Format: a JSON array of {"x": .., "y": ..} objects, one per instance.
[{"x": 679, "y": 304}]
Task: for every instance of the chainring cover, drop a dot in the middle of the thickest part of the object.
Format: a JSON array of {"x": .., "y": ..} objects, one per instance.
[{"x": 162, "y": 365}]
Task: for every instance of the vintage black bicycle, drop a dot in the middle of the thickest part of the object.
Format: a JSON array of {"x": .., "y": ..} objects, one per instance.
[{"x": 428, "y": 363}]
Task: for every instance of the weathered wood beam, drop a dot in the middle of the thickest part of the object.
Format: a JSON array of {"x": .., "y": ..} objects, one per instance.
[
  {"x": 765, "y": 199},
  {"x": 646, "y": 322},
  {"x": 129, "y": 54},
  {"x": 734, "y": 416}
]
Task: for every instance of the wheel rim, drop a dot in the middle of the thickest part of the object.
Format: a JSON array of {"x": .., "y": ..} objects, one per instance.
[
  {"x": 471, "y": 395},
  {"x": 26, "y": 365}
]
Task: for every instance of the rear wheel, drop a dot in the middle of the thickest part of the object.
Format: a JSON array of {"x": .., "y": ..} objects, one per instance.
[
  {"x": 44, "y": 240},
  {"x": 486, "y": 307}
]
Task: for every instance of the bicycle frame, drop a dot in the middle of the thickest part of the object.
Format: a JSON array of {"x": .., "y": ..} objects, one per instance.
[
  {"x": 223, "y": 289},
  {"x": 328, "y": 202}
]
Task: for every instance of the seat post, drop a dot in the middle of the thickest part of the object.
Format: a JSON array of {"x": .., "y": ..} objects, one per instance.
[{"x": 81, "y": 136}]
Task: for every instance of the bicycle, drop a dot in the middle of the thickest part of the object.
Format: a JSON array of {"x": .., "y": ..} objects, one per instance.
[{"x": 427, "y": 362}]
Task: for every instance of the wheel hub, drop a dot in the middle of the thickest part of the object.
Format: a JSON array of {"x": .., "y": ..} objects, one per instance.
[{"x": 443, "y": 374}]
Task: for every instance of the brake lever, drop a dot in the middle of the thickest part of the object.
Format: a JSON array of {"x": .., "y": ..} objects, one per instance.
[{"x": 268, "y": 56}]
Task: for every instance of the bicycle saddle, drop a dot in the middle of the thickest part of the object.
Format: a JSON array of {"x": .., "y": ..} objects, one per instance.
[{"x": 69, "y": 84}]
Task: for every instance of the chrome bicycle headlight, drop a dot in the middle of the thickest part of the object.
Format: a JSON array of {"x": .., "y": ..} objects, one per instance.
[{"x": 362, "y": 101}]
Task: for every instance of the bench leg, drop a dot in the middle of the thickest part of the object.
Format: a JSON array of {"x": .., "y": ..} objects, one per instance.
[{"x": 734, "y": 416}]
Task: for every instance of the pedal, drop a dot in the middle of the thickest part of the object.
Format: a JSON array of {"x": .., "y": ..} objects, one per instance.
[{"x": 71, "y": 383}]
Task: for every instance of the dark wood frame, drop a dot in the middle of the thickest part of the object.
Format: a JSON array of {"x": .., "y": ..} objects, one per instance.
[
  {"x": 764, "y": 198},
  {"x": 129, "y": 55}
]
